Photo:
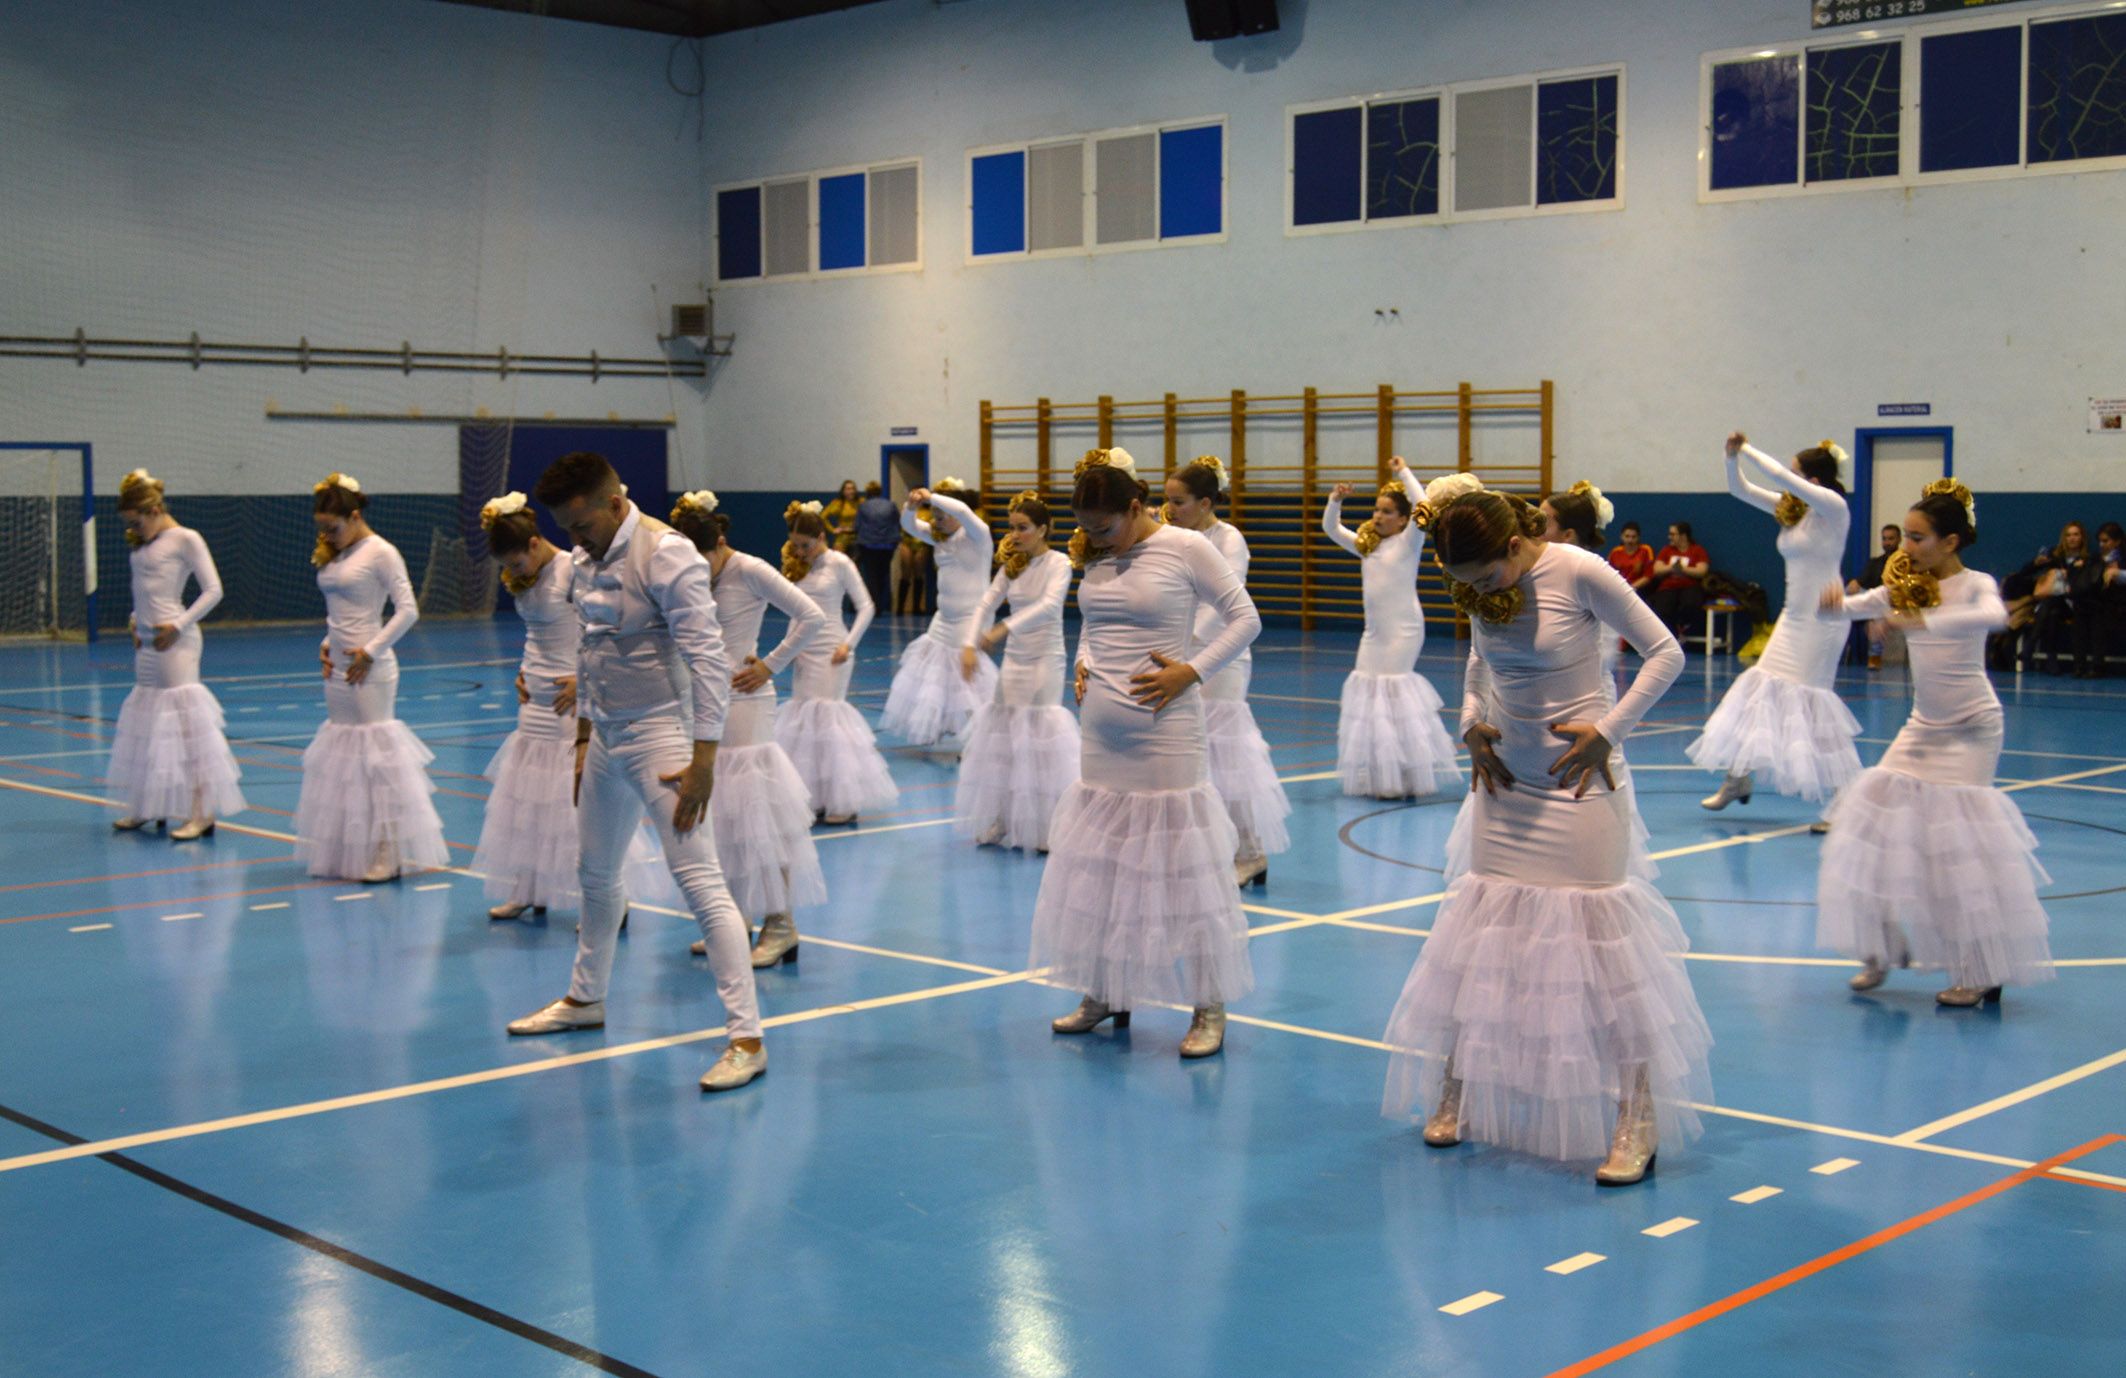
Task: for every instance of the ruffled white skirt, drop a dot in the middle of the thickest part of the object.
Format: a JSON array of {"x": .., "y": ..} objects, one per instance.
[
  {"x": 1244, "y": 777},
  {"x": 1796, "y": 738},
  {"x": 1138, "y": 901},
  {"x": 1013, "y": 774},
  {"x": 528, "y": 847},
  {"x": 1390, "y": 742},
  {"x": 835, "y": 756},
  {"x": 366, "y": 797},
  {"x": 1928, "y": 864},
  {"x": 930, "y": 700},
  {"x": 171, "y": 752}
]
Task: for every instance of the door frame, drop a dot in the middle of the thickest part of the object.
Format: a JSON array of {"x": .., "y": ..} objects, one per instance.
[
  {"x": 885, "y": 461},
  {"x": 1860, "y": 539}
]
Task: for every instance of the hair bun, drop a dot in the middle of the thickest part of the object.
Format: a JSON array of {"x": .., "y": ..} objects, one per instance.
[
  {"x": 1957, "y": 489},
  {"x": 337, "y": 480},
  {"x": 507, "y": 505}
]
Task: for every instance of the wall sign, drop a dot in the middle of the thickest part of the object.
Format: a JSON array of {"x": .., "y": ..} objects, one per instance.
[
  {"x": 898, "y": 431},
  {"x": 2107, "y": 414},
  {"x": 1827, "y": 14},
  {"x": 1905, "y": 409}
]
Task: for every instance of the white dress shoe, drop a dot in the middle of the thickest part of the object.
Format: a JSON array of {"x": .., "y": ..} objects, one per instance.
[
  {"x": 560, "y": 1017},
  {"x": 735, "y": 1068}
]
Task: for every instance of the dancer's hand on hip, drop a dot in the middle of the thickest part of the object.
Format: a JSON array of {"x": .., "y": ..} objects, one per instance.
[
  {"x": 751, "y": 675},
  {"x": 694, "y": 784},
  {"x": 165, "y": 636},
  {"x": 523, "y": 690},
  {"x": 564, "y": 696},
  {"x": 1585, "y": 760},
  {"x": 358, "y": 663},
  {"x": 1485, "y": 767},
  {"x": 1831, "y": 600},
  {"x": 840, "y": 656},
  {"x": 324, "y": 657},
  {"x": 1158, "y": 688},
  {"x": 1077, "y": 681}
]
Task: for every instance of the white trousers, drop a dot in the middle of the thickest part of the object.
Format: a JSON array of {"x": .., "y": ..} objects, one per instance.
[{"x": 619, "y": 782}]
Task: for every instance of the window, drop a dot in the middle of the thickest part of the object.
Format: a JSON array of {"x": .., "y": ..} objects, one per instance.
[
  {"x": 846, "y": 221},
  {"x": 1942, "y": 101},
  {"x": 1480, "y": 149},
  {"x": 1117, "y": 189}
]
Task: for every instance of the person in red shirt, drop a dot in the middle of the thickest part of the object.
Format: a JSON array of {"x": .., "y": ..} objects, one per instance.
[
  {"x": 1633, "y": 559},
  {"x": 1678, "y": 592}
]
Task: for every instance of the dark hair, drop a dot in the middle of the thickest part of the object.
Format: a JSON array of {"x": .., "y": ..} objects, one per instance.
[
  {"x": 1031, "y": 504},
  {"x": 1820, "y": 467},
  {"x": 1891, "y": 526},
  {"x": 1683, "y": 527},
  {"x": 872, "y": 489},
  {"x": 2113, "y": 530},
  {"x": 704, "y": 529},
  {"x": 1200, "y": 479},
  {"x": 333, "y": 500},
  {"x": 1104, "y": 488},
  {"x": 578, "y": 474},
  {"x": 1948, "y": 517},
  {"x": 515, "y": 531},
  {"x": 803, "y": 523},
  {"x": 1628, "y": 526},
  {"x": 1577, "y": 518},
  {"x": 1397, "y": 496},
  {"x": 1477, "y": 529}
]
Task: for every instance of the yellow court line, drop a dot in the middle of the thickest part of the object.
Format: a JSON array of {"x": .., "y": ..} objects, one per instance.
[
  {"x": 1279, "y": 913},
  {"x": 1309, "y": 779},
  {"x": 2095, "y": 789},
  {"x": 2011, "y": 751},
  {"x": 2013, "y": 1098},
  {"x": 845, "y": 946},
  {"x": 873, "y": 832}
]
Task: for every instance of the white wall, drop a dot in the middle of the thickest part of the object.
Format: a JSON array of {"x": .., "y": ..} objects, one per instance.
[
  {"x": 1663, "y": 325},
  {"x": 360, "y": 172}
]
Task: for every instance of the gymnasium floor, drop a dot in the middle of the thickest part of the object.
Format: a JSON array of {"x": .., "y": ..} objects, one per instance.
[{"x": 255, "y": 1123}]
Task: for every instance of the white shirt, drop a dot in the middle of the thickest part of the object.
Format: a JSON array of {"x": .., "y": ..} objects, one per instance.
[
  {"x": 832, "y": 578},
  {"x": 1948, "y": 654},
  {"x": 1036, "y": 597},
  {"x": 1145, "y": 600},
  {"x": 356, "y": 584},
  {"x": 553, "y": 634},
  {"x": 744, "y": 588},
  {"x": 160, "y": 567},
  {"x": 1806, "y": 645},
  {"x": 1388, "y": 576},
  {"x": 962, "y": 560},
  {"x": 628, "y": 606}
]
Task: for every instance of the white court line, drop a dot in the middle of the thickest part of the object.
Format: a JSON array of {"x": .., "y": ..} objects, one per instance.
[
  {"x": 438, "y": 885},
  {"x": 873, "y": 832},
  {"x": 1566, "y": 1267},
  {"x": 89, "y": 928},
  {"x": 292, "y": 678},
  {"x": 358, "y": 895},
  {"x": 1475, "y": 1301},
  {"x": 1668, "y": 1227},
  {"x": 2011, "y": 751},
  {"x": 56, "y": 755},
  {"x": 1754, "y": 1195},
  {"x": 179, "y": 918},
  {"x": 1835, "y": 1166},
  {"x": 2030, "y": 1092},
  {"x": 277, "y": 904},
  {"x": 2094, "y": 789}
]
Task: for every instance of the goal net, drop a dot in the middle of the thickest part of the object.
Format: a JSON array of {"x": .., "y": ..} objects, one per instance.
[{"x": 47, "y": 541}]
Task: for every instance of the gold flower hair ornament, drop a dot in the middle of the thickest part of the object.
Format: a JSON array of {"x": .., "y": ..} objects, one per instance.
[
  {"x": 1012, "y": 560},
  {"x": 508, "y": 505},
  {"x": 701, "y": 499},
  {"x": 794, "y": 566},
  {"x": 1957, "y": 489},
  {"x": 949, "y": 484},
  {"x": 137, "y": 480},
  {"x": 324, "y": 552},
  {"x": 1605, "y": 511},
  {"x": 1217, "y": 468},
  {"x": 1790, "y": 509},
  {"x": 1114, "y": 457}
]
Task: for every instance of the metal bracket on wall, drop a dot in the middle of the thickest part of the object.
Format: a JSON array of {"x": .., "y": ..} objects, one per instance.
[{"x": 304, "y": 357}]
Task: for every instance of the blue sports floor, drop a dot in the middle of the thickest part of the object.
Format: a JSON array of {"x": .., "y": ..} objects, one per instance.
[{"x": 259, "y": 1124}]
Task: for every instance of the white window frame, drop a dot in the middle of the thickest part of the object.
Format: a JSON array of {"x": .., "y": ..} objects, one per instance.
[
  {"x": 1447, "y": 215},
  {"x": 1089, "y": 180},
  {"x": 1911, "y": 34},
  {"x": 814, "y": 272}
]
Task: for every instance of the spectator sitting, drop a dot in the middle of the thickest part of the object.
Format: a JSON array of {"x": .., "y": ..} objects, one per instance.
[
  {"x": 2106, "y": 605},
  {"x": 1871, "y": 578},
  {"x": 1633, "y": 559},
  {"x": 1679, "y": 571},
  {"x": 878, "y": 535},
  {"x": 840, "y": 517},
  {"x": 2066, "y": 574}
]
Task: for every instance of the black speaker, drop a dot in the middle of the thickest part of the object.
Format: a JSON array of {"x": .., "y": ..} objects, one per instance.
[{"x": 1210, "y": 20}]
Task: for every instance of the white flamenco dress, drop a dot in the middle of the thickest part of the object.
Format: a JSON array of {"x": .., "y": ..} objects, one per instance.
[
  {"x": 1390, "y": 741},
  {"x": 1138, "y": 901},
  {"x": 826, "y": 739},
  {"x": 1781, "y": 721},
  {"x": 1550, "y": 978},
  {"x": 1241, "y": 769},
  {"x": 1928, "y": 863},
  {"x": 930, "y": 700},
  {"x": 528, "y": 845},
  {"x": 366, "y": 793},
  {"x": 170, "y": 757},
  {"x": 1023, "y": 749}
]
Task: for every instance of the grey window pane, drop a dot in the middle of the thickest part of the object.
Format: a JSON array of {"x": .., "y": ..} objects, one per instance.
[
  {"x": 895, "y": 215},
  {"x": 789, "y": 233},
  {"x": 1127, "y": 188},
  {"x": 1055, "y": 190},
  {"x": 1494, "y": 148}
]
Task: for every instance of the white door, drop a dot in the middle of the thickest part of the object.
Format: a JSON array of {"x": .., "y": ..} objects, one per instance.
[{"x": 1903, "y": 465}]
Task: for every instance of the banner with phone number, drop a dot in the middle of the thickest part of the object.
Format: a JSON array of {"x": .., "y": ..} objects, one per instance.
[{"x": 1827, "y": 14}]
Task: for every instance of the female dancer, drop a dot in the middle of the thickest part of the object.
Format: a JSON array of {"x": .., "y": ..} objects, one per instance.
[
  {"x": 1389, "y": 740},
  {"x": 828, "y": 741},
  {"x": 1548, "y": 990},
  {"x": 1240, "y": 759},
  {"x": 1022, "y": 751},
  {"x": 762, "y": 816},
  {"x": 1781, "y": 717},
  {"x": 932, "y": 699},
  {"x": 528, "y": 838},
  {"x": 1137, "y": 901},
  {"x": 1928, "y": 863},
  {"x": 169, "y": 758},
  {"x": 364, "y": 813}
]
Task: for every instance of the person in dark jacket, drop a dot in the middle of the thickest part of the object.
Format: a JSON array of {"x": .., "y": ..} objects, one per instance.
[{"x": 878, "y": 534}]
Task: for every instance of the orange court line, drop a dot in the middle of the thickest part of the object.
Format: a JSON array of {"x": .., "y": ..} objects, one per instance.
[
  {"x": 2082, "y": 1182},
  {"x": 1740, "y": 1299}
]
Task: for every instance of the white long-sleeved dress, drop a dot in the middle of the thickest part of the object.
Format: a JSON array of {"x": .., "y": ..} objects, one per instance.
[
  {"x": 1551, "y": 974},
  {"x": 826, "y": 739},
  {"x": 1390, "y": 741},
  {"x": 929, "y": 700},
  {"x": 170, "y": 755},
  {"x": 1928, "y": 862},
  {"x": 1022, "y": 751},
  {"x": 1241, "y": 769},
  {"x": 1780, "y": 720},
  {"x": 528, "y": 846},
  {"x": 366, "y": 792},
  {"x": 1138, "y": 900}
]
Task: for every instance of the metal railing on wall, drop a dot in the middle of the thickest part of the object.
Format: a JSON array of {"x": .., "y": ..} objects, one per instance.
[{"x": 1273, "y": 447}]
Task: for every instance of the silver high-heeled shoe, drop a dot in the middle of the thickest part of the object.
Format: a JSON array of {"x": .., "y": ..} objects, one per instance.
[
  {"x": 1444, "y": 1128},
  {"x": 1968, "y": 997},
  {"x": 777, "y": 942},
  {"x": 1089, "y": 1015},
  {"x": 1206, "y": 1032},
  {"x": 1632, "y": 1148},
  {"x": 1735, "y": 789}
]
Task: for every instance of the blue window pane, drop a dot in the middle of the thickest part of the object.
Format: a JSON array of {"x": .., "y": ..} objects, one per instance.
[
  {"x": 1191, "y": 181},
  {"x": 1576, "y": 133},
  {"x": 1856, "y": 100},
  {"x": 2078, "y": 89},
  {"x": 1757, "y": 123},
  {"x": 738, "y": 234},
  {"x": 1402, "y": 159},
  {"x": 999, "y": 187},
  {"x": 1327, "y": 180},
  {"x": 1970, "y": 99},
  {"x": 841, "y": 221}
]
